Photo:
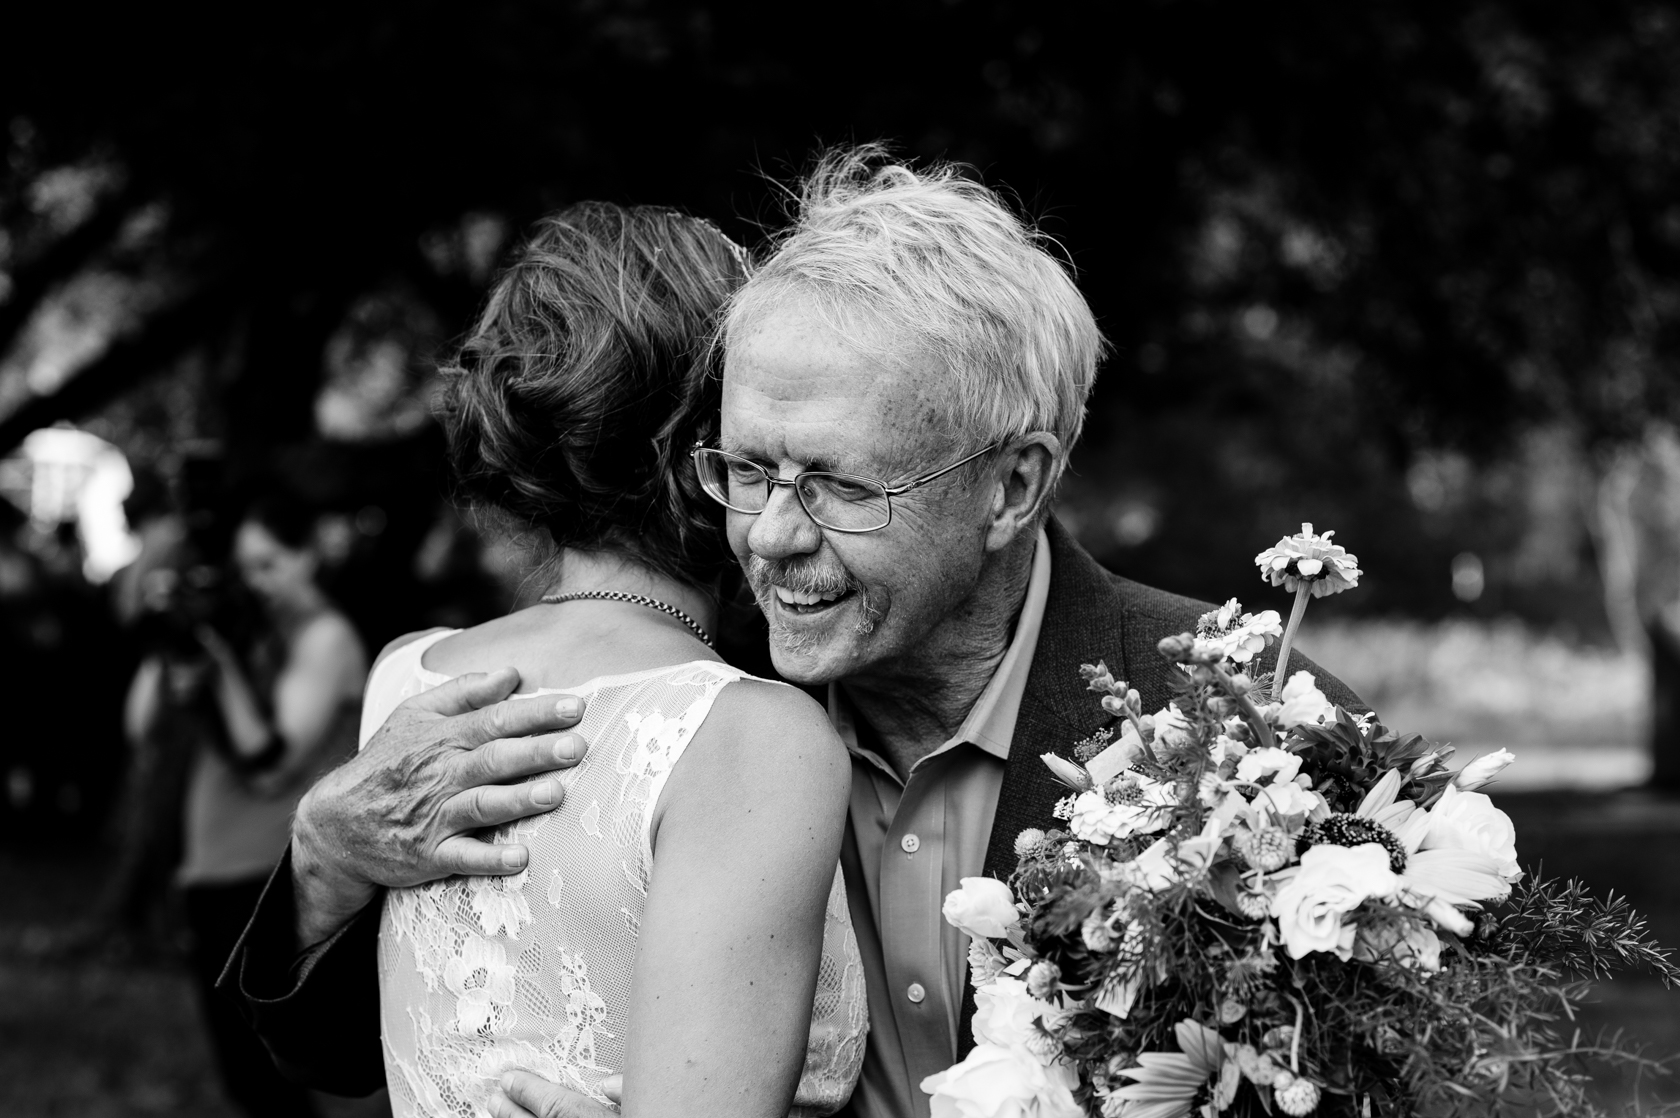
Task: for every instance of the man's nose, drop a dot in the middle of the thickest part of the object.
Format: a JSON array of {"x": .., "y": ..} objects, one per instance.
[{"x": 784, "y": 528}]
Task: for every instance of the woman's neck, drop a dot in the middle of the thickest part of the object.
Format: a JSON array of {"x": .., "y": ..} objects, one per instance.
[{"x": 585, "y": 572}]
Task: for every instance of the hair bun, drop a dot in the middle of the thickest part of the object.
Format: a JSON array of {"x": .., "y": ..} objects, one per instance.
[{"x": 574, "y": 401}]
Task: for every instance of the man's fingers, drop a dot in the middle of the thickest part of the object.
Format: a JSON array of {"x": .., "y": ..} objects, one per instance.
[
  {"x": 542, "y": 1099},
  {"x": 477, "y": 858},
  {"x": 506, "y": 759},
  {"x": 466, "y": 693},
  {"x": 503, "y": 1107},
  {"x": 491, "y": 805},
  {"x": 519, "y": 718}
]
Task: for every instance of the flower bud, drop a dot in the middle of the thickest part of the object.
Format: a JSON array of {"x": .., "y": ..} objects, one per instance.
[
  {"x": 1097, "y": 676},
  {"x": 1176, "y": 648},
  {"x": 1482, "y": 770},
  {"x": 1028, "y": 841},
  {"x": 1070, "y": 774}
]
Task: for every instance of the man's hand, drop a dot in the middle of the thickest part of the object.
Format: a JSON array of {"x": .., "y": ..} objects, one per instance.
[
  {"x": 525, "y": 1095},
  {"x": 403, "y": 810}
]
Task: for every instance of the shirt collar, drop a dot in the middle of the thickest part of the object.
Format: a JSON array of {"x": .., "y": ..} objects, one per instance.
[{"x": 991, "y": 721}]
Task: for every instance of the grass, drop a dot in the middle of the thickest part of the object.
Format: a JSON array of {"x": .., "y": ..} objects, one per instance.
[{"x": 92, "y": 1037}]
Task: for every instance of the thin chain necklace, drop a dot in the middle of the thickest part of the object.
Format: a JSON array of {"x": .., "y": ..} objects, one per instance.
[{"x": 634, "y": 599}]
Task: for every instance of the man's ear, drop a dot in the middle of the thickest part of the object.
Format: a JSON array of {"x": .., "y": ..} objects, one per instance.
[{"x": 1023, "y": 476}]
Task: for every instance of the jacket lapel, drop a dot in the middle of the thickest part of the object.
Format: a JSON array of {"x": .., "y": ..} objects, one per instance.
[{"x": 1081, "y": 626}]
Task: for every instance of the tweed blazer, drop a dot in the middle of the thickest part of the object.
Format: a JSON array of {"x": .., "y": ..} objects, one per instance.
[{"x": 1091, "y": 614}]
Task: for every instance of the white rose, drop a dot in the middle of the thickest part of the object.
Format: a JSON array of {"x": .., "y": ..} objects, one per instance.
[
  {"x": 983, "y": 907},
  {"x": 1004, "y": 1012},
  {"x": 1280, "y": 764},
  {"x": 1331, "y": 882},
  {"x": 1303, "y": 702},
  {"x": 1280, "y": 800},
  {"x": 1483, "y": 769},
  {"x": 998, "y": 1082},
  {"x": 1469, "y": 821}
]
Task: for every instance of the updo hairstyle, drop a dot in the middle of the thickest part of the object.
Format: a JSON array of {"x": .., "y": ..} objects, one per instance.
[{"x": 575, "y": 400}]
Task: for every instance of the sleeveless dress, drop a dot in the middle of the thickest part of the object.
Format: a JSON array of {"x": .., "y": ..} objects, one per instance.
[{"x": 480, "y": 974}]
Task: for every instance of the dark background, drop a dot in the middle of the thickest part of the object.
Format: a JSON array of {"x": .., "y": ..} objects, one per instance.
[
  {"x": 1327, "y": 241},
  {"x": 1410, "y": 271}
]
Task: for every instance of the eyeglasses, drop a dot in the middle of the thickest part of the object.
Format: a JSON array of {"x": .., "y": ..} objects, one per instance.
[{"x": 838, "y": 502}]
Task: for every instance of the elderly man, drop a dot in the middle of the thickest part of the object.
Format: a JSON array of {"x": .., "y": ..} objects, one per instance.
[{"x": 903, "y": 382}]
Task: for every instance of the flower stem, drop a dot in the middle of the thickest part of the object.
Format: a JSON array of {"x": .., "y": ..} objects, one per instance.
[
  {"x": 1302, "y": 593},
  {"x": 1250, "y": 712}
]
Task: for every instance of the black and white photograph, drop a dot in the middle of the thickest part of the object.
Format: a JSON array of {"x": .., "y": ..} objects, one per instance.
[{"x": 935, "y": 559}]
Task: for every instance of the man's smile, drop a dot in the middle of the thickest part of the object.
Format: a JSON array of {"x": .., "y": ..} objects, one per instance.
[{"x": 802, "y": 603}]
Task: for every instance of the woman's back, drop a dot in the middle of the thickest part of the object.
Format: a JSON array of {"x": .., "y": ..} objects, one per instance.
[{"x": 478, "y": 975}]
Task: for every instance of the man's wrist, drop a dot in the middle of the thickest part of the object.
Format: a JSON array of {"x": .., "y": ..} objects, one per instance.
[{"x": 325, "y": 897}]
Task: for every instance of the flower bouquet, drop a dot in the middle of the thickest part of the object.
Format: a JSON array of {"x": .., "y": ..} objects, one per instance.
[{"x": 1255, "y": 902}]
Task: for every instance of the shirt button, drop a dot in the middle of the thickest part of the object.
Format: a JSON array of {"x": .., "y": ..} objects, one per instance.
[
  {"x": 911, "y": 844},
  {"x": 915, "y": 993}
]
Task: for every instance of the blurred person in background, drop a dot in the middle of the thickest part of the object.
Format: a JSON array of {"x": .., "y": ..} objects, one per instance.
[
  {"x": 278, "y": 717},
  {"x": 132, "y": 911}
]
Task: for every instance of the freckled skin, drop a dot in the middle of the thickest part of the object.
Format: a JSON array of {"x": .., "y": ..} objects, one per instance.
[{"x": 946, "y": 577}]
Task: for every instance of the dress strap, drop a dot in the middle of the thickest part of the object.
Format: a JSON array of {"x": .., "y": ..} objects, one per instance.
[{"x": 395, "y": 678}]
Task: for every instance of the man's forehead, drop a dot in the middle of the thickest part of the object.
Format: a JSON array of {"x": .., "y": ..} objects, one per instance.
[{"x": 826, "y": 419}]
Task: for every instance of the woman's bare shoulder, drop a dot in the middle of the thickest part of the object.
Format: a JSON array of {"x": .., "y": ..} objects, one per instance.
[{"x": 762, "y": 729}]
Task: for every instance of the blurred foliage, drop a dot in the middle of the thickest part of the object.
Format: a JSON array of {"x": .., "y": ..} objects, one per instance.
[{"x": 1359, "y": 261}]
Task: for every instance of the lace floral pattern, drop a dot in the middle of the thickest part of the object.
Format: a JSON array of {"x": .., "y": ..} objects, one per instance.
[{"x": 481, "y": 974}]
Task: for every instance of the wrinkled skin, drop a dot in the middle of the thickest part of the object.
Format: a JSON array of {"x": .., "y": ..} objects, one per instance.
[{"x": 405, "y": 809}]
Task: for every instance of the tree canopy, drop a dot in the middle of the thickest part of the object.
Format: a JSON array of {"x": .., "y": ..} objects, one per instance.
[{"x": 1324, "y": 238}]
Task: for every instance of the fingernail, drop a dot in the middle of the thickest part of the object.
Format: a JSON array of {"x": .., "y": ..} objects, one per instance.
[
  {"x": 545, "y": 793},
  {"x": 513, "y": 857},
  {"x": 568, "y": 748},
  {"x": 569, "y": 706}
]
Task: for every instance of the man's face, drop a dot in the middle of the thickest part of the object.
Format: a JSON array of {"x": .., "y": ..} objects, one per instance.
[{"x": 797, "y": 397}]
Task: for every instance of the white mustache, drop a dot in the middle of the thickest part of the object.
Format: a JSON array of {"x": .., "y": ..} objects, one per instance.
[{"x": 762, "y": 574}]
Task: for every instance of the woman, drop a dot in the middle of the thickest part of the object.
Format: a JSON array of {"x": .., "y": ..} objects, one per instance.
[
  {"x": 682, "y": 900},
  {"x": 272, "y": 729}
]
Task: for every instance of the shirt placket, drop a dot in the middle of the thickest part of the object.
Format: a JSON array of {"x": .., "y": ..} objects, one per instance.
[{"x": 912, "y": 865}]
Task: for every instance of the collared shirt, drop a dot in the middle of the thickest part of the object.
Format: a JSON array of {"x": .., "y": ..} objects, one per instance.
[{"x": 909, "y": 843}]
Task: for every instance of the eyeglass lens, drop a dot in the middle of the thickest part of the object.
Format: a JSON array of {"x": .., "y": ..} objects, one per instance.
[{"x": 832, "y": 500}]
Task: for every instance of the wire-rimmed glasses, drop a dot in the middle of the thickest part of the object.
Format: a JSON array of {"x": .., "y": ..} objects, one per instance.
[{"x": 838, "y": 502}]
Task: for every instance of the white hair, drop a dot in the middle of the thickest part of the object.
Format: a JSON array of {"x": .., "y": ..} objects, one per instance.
[{"x": 892, "y": 257}]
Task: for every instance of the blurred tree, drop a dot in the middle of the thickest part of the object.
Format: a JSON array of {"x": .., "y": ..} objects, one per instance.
[{"x": 1326, "y": 238}]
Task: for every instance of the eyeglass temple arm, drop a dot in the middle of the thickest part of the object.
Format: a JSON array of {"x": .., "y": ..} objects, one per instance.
[{"x": 909, "y": 485}]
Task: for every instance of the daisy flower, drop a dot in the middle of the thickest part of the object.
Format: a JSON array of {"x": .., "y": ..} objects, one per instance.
[{"x": 1165, "y": 1084}]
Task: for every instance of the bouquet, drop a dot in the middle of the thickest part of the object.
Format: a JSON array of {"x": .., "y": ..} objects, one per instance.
[{"x": 1255, "y": 902}]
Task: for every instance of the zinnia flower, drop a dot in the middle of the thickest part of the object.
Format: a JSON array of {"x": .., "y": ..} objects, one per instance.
[{"x": 1307, "y": 558}]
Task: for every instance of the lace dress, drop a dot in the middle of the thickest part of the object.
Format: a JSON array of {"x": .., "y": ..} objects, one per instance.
[{"x": 479, "y": 974}]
